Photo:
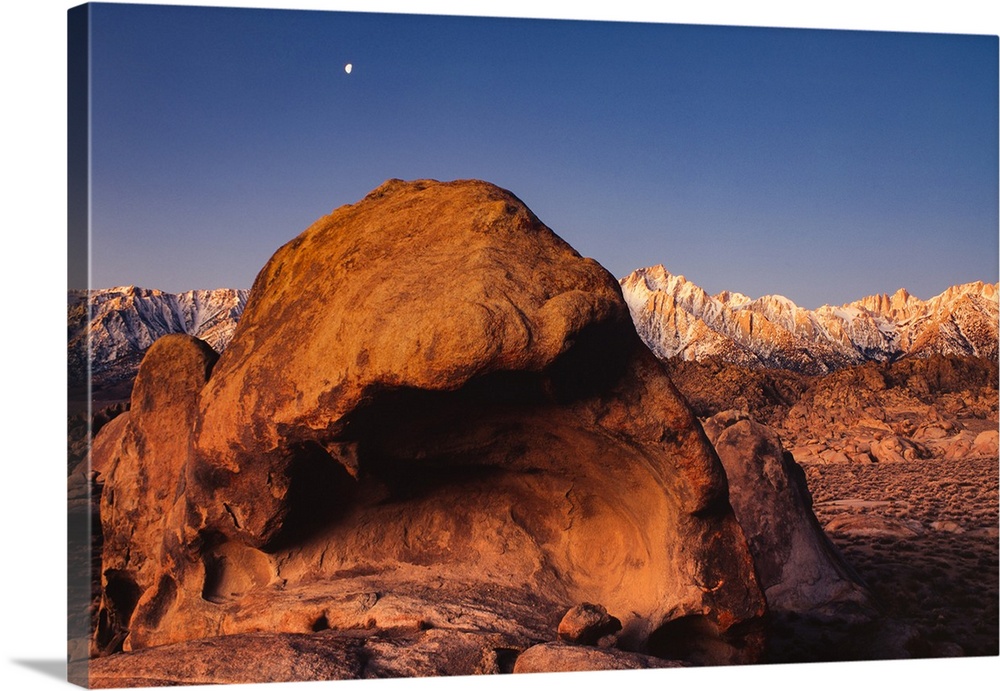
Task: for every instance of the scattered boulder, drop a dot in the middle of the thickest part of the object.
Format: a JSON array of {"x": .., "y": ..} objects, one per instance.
[
  {"x": 958, "y": 446},
  {"x": 894, "y": 449},
  {"x": 987, "y": 443},
  {"x": 947, "y": 527},
  {"x": 434, "y": 415},
  {"x": 862, "y": 457},
  {"x": 873, "y": 525},
  {"x": 834, "y": 456},
  {"x": 933, "y": 431},
  {"x": 912, "y": 408},
  {"x": 798, "y": 567},
  {"x": 587, "y": 624}
]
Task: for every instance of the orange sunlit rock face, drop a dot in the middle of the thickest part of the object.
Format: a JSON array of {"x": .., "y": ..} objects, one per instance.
[{"x": 434, "y": 414}]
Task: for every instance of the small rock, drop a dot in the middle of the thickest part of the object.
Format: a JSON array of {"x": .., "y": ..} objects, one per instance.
[
  {"x": 834, "y": 456},
  {"x": 932, "y": 431},
  {"x": 588, "y": 624},
  {"x": 947, "y": 527},
  {"x": 872, "y": 525},
  {"x": 987, "y": 443}
]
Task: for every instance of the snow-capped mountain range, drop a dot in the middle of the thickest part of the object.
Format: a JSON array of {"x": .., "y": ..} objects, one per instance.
[
  {"x": 673, "y": 316},
  {"x": 124, "y": 321},
  {"x": 676, "y": 318}
]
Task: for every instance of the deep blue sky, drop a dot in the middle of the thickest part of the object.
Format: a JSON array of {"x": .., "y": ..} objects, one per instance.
[{"x": 821, "y": 165}]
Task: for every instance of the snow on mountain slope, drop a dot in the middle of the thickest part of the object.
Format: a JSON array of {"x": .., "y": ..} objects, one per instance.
[
  {"x": 211, "y": 315},
  {"x": 123, "y": 322},
  {"x": 676, "y": 318}
]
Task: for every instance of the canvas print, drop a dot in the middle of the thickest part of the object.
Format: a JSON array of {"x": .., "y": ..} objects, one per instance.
[{"x": 413, "y": 345}]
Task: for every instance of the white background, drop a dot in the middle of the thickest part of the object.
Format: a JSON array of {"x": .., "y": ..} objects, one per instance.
[{"x": 32, "y": 249}]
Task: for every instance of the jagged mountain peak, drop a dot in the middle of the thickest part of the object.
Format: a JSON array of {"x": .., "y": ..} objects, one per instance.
[
  {"x": 987, "y": 291},
  {"x": 733, "y": 299},
  {"x": 674, "y": 316},
  {"x": 121, "y": 323},
  {"x": 658, "y": 278},
  {"x": 773, "y": 331}
]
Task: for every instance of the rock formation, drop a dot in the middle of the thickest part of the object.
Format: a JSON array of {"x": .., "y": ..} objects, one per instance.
[
  {"x": 938, "y": 407},
  {"x": 797, "y": 565},
  {"x": 145, "y": 452},
  {"x": 435, "y": 423}
]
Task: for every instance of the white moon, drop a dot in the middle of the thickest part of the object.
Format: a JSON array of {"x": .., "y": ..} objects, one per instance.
[{"x": 347, "y": 68}]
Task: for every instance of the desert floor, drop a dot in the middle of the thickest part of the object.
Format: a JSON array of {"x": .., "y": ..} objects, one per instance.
[{"x": 923, "y": 536}]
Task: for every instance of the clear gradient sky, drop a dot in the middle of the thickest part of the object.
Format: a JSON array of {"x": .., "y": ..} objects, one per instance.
[
  {"x": 820, "y": 165},
  {"x": 34, "y": 277}
]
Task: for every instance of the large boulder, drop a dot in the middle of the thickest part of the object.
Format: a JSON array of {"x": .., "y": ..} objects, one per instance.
[
  {"x": 434, "y": 415},
  {"x": 798, "y": 567},
  {"x": 819, "y": 609},
  {"x": 420, "y": 288},
  {"x": 145, "y": 454}
]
